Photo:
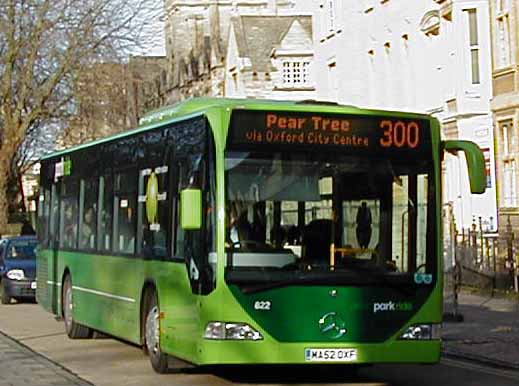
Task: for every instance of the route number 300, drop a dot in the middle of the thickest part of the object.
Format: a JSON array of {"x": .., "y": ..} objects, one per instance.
[{"x": 400, "y": 134}]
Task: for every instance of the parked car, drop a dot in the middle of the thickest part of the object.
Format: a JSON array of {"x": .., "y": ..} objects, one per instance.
[{"x": 18, "y": 268}]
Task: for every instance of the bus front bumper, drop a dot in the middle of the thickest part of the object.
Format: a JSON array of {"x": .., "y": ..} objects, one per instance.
[{"x": 263, "y": 352}]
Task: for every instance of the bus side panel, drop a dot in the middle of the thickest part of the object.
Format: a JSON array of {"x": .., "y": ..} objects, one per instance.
[
  {"x": 180, "y": 325},
  {"x": 106, "y": 292}
]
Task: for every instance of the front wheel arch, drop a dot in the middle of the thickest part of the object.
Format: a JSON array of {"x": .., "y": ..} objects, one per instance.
[
  {"x": 149, "y": 289},
  {"x": 151, "y": 315}
]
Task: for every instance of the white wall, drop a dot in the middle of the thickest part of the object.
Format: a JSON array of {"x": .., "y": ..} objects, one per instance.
[{"x": 384, "y": 60}]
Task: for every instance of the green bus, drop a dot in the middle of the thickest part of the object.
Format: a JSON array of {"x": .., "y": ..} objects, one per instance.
[{"x": 234, "y": 231}]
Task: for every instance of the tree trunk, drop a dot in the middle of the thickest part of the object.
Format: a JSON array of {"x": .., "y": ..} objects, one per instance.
[
  {"x": 4, "y": 173},
  {"x": 7, "y": 152}
]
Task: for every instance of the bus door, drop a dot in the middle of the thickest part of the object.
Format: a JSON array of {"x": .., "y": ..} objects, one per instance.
[{"x": 53, "y": 281}]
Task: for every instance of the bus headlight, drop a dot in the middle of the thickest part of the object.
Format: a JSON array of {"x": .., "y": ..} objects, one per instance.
[
  {"x": 231, "y": 331},
  {"x": 15, "y": 274},
  {"x": 422, "y": 332}
]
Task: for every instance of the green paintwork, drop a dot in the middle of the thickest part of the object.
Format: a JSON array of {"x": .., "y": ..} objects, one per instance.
[
  {"x": 475, "y": 163},
  {"x": 108, "y": 289},
  {"x": 191, "y": 209},
  {"x": 295, "y": 312}
]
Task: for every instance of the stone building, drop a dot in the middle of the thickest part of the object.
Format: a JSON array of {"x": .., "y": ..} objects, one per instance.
[
  {"x": 146, "y": 84},
  {"x": 197, "y": 36},
  {"x": 428, "y": 56},
  {"x": 505, "y": 106},
  {"x": 270, "y": 57}
]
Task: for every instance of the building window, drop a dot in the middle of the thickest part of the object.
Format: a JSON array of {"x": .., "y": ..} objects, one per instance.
[
  {"x": 503, "y": 33},
  {"x": 509, "y": 166},
  {"x": 510, "y": 184},
  {"x": 296, "y": 73},
  {"x": 473, "y": 44},
  {"x": 507, "y": 137}
]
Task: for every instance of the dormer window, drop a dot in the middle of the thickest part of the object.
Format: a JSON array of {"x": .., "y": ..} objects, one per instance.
[{"x": 296, "y": 72}]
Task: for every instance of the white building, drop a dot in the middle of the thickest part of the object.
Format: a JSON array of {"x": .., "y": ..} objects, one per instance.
[{"x": 428, "y": 56}]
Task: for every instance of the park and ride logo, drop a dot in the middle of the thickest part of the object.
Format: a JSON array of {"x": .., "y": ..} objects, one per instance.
[{"x": 391, "y": 306}]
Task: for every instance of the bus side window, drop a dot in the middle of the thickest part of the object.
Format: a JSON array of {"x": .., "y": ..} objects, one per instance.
[
  {"x": 88, "y": 218},
  {"x": 193, "y": 244},
  {"x": 180, "y": 233},
  {"x": 125, "y": 207},
  {"x": 54, "y": 220},
  {"x": 105, "y": 221},
  {"x": 154, "y": 211},
  {"x": 69, "y": 214},
  {"x": 43, "y": 217}
]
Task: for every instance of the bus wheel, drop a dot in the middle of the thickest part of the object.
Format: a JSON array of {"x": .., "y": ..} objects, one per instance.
[
  {"x": 74, "y": 330},
  {"x": 159, "y": 360}
]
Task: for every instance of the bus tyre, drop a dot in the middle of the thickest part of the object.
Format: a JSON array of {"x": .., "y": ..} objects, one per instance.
[
  {"x": 159, "y": 360},
  {"x": 74, "y": 330}
]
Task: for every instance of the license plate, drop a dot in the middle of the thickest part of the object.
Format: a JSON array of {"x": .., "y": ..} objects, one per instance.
[
  {"x": 330, "y": 354},
  {"x": 33, "y": 285}
]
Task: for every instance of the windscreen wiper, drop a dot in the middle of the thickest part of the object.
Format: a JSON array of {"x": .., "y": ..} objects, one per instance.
[
  {"x": 317, "y": 277},
  {"x": 382, "y": 276},
  {"x": 260, "y": 287}
]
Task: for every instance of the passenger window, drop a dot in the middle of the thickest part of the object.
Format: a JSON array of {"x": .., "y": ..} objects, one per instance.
[
  {"x": 88, "y": 223},
  {"x": 154, "y": 209},
  {"x": 180, "y": 234},
  {"x": 69, "y": 214},
  {"x": 43, "y": 217},
  {"x": 126, "y": 207},
  {"x": 106, "y": 213}
]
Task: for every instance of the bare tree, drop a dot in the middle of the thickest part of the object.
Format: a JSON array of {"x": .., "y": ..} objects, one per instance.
[{"x": 44, "y": 44}]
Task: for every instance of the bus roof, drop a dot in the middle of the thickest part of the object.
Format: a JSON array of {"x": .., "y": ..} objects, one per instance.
[{"x": 196, "y": 106}]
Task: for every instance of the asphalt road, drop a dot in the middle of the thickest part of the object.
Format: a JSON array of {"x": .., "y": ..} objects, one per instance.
[{"x": 111, "y": 362}]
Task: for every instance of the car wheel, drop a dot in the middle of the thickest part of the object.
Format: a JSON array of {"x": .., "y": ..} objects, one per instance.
[
  {"x": 159, "y": 360},
  {"x": 74, "y": 330},
  {"x": 5, "y": 299}
]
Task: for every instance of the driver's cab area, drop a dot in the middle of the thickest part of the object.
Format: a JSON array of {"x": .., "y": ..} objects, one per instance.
[{"x": 315, "y": 212}]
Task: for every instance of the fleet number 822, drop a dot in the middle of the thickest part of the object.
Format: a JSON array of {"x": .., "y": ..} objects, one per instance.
[{"x": 400, "y": 134}]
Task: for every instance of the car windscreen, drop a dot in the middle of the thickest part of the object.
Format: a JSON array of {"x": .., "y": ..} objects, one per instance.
[{"x": 21, "y": 249}]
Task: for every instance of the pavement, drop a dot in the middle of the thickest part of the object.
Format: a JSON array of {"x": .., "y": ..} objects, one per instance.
[
  {"x": 489, "y": 332},
  {"x": 22, "y": 366},
  {"x": 489, "y": 335}
]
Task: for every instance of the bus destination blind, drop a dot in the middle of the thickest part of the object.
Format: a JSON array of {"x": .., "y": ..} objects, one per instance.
[{"x": 356, "y": 133}]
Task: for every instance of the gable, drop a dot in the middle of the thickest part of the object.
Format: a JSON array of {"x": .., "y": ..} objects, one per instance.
[{"x": 296, "y": 38}]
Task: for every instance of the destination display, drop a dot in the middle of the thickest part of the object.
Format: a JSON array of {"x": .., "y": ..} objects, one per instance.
[{"x": 356, "y": 133}]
